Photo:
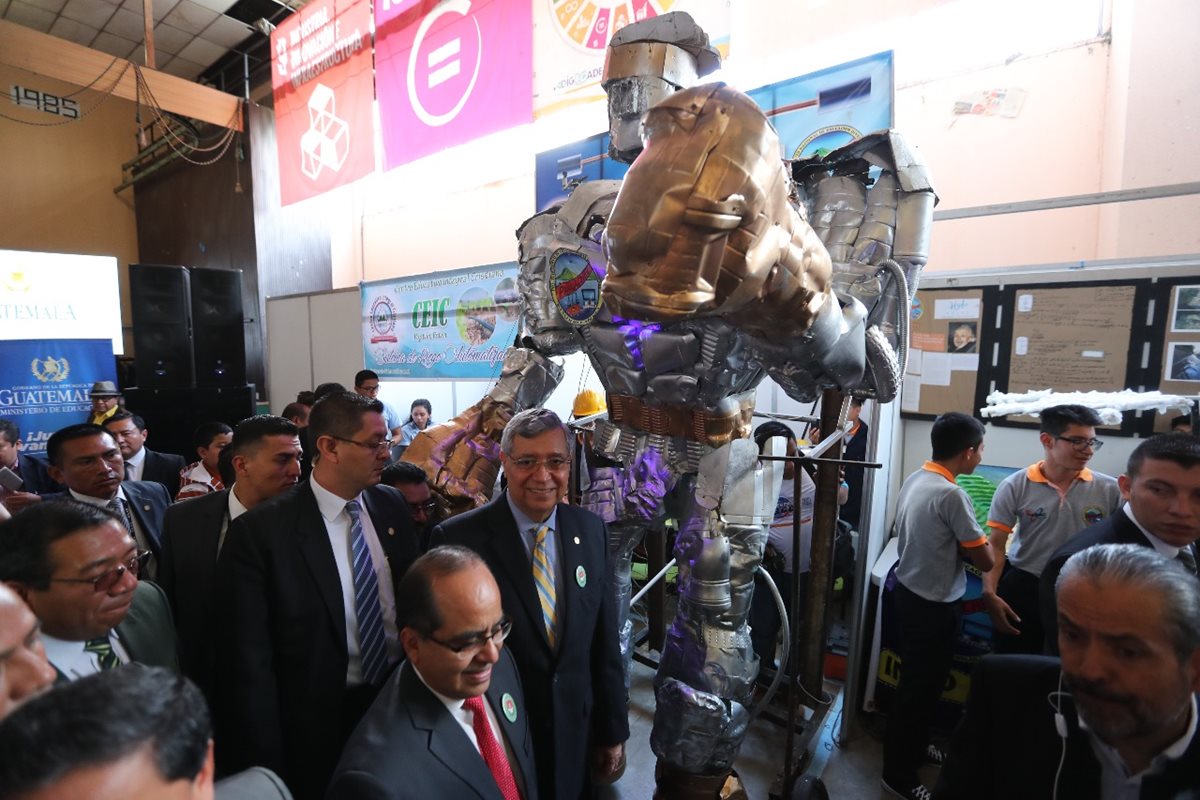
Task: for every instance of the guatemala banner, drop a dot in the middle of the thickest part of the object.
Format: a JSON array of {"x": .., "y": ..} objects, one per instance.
[
  {"x": 454, "y": 324},
  {"x": 44, "y": 383}
]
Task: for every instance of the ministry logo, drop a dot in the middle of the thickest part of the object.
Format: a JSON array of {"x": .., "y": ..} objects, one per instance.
[{"x": 50, "y": 370}]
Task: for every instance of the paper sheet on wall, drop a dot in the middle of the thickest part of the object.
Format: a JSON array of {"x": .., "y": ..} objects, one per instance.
[
  {"x": 910, "y": 393},
  {"x": 964, "y": 362},
  {"x": 935, "y": 371},
  {"x": 956, "y": 308},
  {"x": 915, "y": 358}
]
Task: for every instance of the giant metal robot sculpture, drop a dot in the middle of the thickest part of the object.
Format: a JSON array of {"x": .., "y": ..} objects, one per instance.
[{"x": 709, "y": 267}]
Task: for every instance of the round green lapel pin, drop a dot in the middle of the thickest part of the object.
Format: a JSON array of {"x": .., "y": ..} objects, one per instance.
[
  {"x": 510, "y": 707},
  {"x": 581, "y": 576}
]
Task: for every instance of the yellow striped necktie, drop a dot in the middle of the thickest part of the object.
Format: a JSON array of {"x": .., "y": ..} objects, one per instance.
[{"x": 543, "y": 578}]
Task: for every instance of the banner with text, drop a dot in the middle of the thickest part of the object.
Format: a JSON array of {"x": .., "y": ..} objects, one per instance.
[
  {"x": 454, "y": 324},
  {"x": 321, "y": 75},
  {"x": 572, "y": 36},
  {"x": 44, "y": 383},
  {"x": 449, "y": 72},
  {"x": 824, "y": 110}
]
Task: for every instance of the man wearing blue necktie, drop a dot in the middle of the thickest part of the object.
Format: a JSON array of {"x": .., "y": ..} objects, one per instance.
[
  {"x": 305, "y": 613},
  {"x": 549, "y": 560}
]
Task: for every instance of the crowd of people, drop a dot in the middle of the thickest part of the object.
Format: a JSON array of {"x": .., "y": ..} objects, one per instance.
[{"x": 291, "y": 614}]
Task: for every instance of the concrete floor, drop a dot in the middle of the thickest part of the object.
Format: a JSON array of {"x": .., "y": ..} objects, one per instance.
[{"x": 850, "y": 771}]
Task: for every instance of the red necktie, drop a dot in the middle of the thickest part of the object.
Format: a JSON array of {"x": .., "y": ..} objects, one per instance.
[{"x": 492, "y": 750}]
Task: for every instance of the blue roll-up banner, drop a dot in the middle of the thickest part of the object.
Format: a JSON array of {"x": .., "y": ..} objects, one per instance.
[
  {"x": 455, "y": 324},
  {"x": 45, "y": 383}
]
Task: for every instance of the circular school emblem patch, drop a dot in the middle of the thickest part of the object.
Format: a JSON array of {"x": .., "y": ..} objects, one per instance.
[
  {"x": 1093, "y": 514},
  {"x": 509, "y": 706},
  {"x": 581, "y": 576}
]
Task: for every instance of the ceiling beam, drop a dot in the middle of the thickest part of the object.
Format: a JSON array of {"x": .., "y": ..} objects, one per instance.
[{"x": 75, "y": 64}]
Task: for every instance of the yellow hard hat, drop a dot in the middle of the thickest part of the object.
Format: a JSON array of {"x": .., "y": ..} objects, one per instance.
[{"x": 588, "y": 402}]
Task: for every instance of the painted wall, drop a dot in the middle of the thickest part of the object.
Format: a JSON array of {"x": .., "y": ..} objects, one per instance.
[{"x": 58, "y": 180}]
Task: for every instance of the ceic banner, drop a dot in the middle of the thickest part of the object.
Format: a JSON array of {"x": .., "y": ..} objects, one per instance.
[
  {"x": 451, "y": 71},
  {"x": 321, "y": 76}
]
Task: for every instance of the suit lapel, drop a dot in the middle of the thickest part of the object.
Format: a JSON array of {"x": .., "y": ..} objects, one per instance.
[
  {"x": 137, "y": 503},
  {"x": 314, "y": 545},
  {"x": 1128, "y": 532},
  {"x": 504, "y": 685},
  {"x": 571, "y": 552},
  {"x": 509, "y": 550},
  {"x": 447, "y": 741},
  {"x": 395, "y": 534}
]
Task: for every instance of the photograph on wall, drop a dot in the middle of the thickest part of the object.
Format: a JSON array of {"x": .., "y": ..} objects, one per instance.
[
  {"x": 1187, "y": 310},
  {"x": 453, "y": 325},
  {"x": 961, "y": 337},
  {"x": 1183, "y": 359}
]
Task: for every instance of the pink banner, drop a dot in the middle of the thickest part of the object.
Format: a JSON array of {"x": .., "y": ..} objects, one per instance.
[{"x": 450, "y": 72}]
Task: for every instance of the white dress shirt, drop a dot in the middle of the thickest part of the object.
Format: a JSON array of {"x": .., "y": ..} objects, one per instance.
[
  {"x": 72, "y": 660},
  {"x": 1170, "y": 551},
  {"x": 134, "y": 464},
  {"x": 337, "y": 524}
]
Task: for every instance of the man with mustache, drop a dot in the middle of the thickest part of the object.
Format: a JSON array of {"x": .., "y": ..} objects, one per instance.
[{"x": 1116, "y": 716}]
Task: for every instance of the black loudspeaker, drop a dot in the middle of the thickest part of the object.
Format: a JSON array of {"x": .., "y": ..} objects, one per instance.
[
  {"x": 162, "y": 335},
  {"x": 172, "y": 414},
  {"x": 218, "y": 332}
]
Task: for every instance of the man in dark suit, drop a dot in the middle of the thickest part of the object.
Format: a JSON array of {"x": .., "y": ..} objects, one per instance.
[
  {"x": 1129, "y": 631},
  {"x": 33, "y": 472},
  {"x": 77, "y": 568},
  {"x": 86, "y": 459},
  {"x": 550, "y": 562},
  {"x": 455, "y": 707},
  {"x": 305, "y": 611},
  {"x": 265, "y": 455},
  {"x": 142, "y": 463},
  {"x": 1161, "y": 488}
]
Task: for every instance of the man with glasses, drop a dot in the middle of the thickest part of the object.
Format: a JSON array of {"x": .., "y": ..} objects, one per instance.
[
  {"x": 366, "y": 384},
  {"x": 87, "y": 460},
  {"x": 454, "y": 709},
  {"x": 1040, "y": 508},
  {"x": 412, "y": 482},
  {"x": 305, "y": 614},
  {"x": 549, "y": 561},
  {"x": 77, "y": 568}
]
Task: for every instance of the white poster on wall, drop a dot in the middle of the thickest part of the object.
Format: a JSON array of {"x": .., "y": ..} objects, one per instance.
[{"x": 59, "y": 296}]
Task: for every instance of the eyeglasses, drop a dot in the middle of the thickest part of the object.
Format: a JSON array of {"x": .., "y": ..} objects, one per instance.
[
  {"x": 529, "y": 463},
  {"x": 469, "y": 646},
  {"x": 370, "y": 389},
  {"x": 378, "y": 447},
  {"x": 110, "y": 578},
  {"x": 1081, "y": 444},
  {"x": 428, "y": 507}
]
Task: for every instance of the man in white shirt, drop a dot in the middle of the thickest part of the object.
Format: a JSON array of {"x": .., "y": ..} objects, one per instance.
[
  {"x": 455, "y": 709},
  {"x": 87, "y": 460},
  {"x": 77, "y": 568},
  {"x": 305, "y": 616},
  {"x": 141, "y": 463}
]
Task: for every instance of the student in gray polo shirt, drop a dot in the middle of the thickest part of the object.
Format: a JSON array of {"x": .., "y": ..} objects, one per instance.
[
  {"x": 1040, "y": 508},
  {"x": 936, "y": 525}
]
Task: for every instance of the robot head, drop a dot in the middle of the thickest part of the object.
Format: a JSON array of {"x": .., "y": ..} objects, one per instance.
[{"x": 646, "y": 62}]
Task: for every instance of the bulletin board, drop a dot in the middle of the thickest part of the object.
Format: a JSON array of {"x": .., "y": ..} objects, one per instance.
[
  {"x": 945, "y": 339},
  {"x": 1072, "y": 338}
]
